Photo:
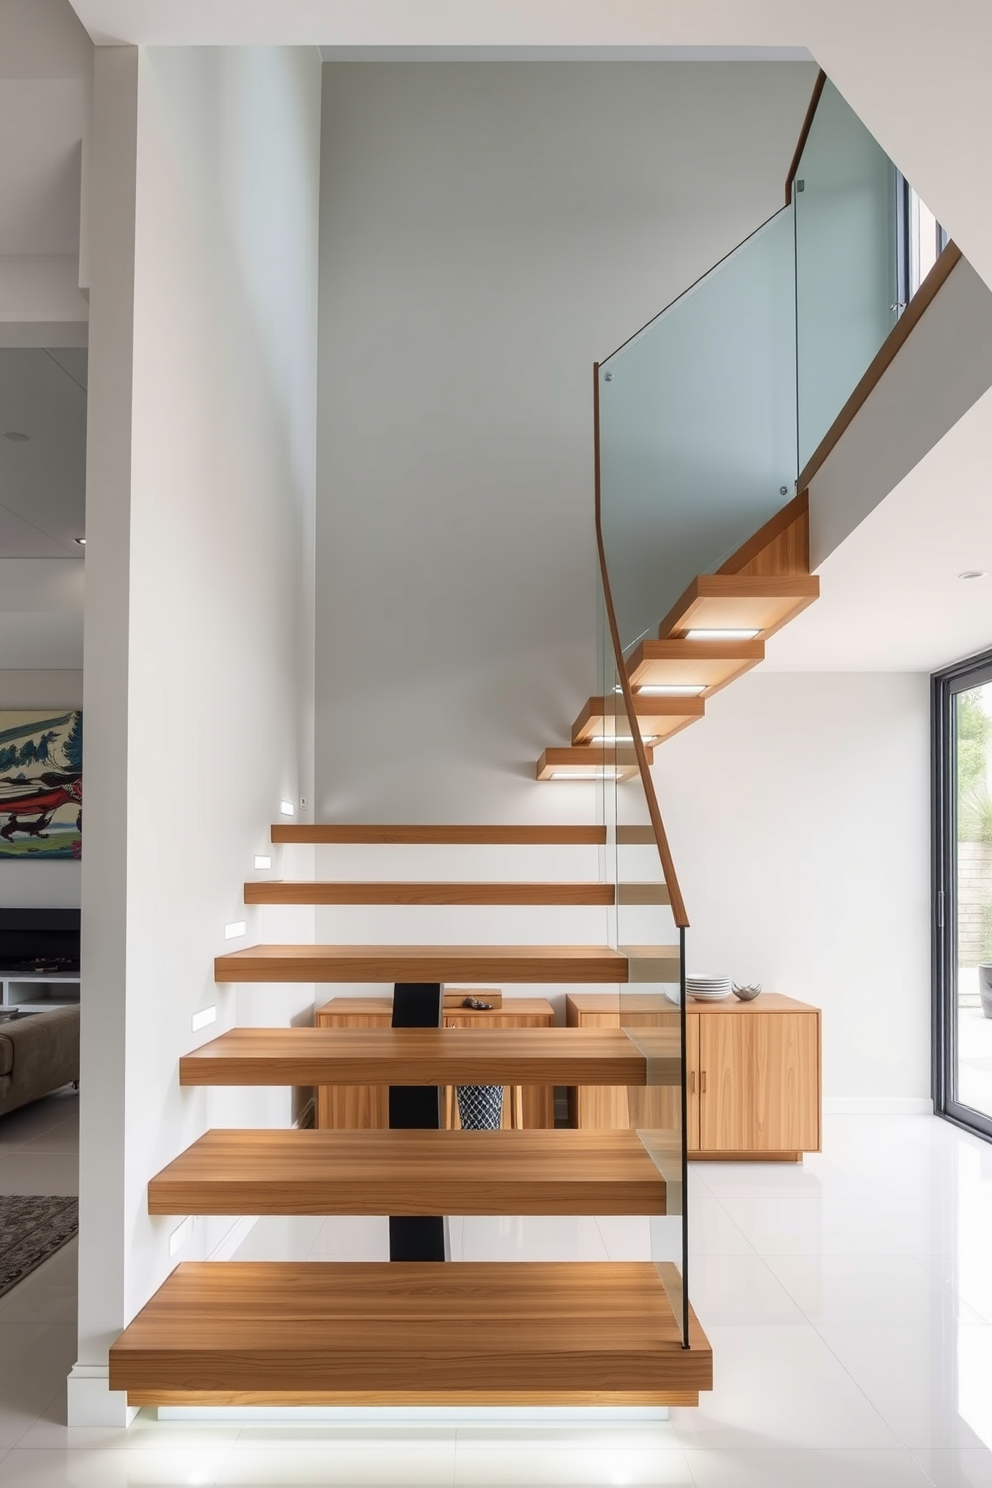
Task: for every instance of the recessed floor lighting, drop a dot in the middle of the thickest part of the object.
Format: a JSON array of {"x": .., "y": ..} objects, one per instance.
[
  {"x": 16, "y": 437},
  {"x": 973, "y": 573}
]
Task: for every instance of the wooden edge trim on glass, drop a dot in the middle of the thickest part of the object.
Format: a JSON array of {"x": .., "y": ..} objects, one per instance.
[
  {"x": 449, "y": 835},
  {"x": 654, "y": 811},
  {"x": 910, "y": 318},
  {"x": 818, "y": 86}
]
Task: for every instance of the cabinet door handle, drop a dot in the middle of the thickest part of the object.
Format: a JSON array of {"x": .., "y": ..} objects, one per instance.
[
  {"x": 702, "y": 1082},
  {"x": 692, "y": 1082}
]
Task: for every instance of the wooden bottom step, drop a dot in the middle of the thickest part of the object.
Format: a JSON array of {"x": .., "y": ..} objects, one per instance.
[
  {"x": 408, "y": 1333},
  {"x": 411, "y": 1172}
]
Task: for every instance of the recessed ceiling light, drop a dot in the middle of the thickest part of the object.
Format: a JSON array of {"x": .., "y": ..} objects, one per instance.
[
  {"x": 15, "y": 437},
  {"x": 973, "y": 573},
  {"x": 81, "y": 541}
]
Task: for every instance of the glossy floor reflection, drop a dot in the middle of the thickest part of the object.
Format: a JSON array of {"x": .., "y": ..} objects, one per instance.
[{"x": 849, "y": 1302}]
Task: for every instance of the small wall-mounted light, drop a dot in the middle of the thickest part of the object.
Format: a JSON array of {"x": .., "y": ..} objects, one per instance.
[
  {"x": 204, "y": 1017},
  {"x": 287, "y": 808},
  {"x": 235, "y": 929},
  {"x": 80, "y": 540},
  {"x": 262, "y": 860}
]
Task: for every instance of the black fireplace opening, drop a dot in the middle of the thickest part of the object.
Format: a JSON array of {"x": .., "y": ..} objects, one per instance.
[{"x": 39, "y": 940}]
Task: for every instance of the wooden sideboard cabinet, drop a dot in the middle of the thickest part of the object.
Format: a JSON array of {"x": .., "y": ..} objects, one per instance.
[
  {"x": 364, "y": 1107},
  {"x": 753, "y": 1075}
]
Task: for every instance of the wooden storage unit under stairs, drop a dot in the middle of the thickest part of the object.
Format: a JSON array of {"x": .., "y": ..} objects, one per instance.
[
  {"x": 753, "y": 1071},
  {"x": 363, "y": 1107}
]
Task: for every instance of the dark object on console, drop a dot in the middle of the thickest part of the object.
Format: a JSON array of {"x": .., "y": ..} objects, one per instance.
[
  {"x": 416, "y": 1237},
  {"x": 38, "y": 1054},
  {"x": 477, "y": 1004},
  {"x": 42, "y": 940}
]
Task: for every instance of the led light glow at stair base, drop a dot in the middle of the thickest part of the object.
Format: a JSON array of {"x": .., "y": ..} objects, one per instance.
[
  {"x": 622, "y": 738},
  {"x": 583, "y": 775},
  {"x": 721, "y": 635}
]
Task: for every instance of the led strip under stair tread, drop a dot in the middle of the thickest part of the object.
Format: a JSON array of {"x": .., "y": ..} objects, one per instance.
[
  {"x": 411, "y": 1172},
  {"x": 345, "y": 1332}
]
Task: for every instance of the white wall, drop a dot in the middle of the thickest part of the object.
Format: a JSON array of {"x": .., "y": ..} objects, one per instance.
[
  {"x": 487, "y": 231},
  {"x": 199, "y": 613},
  {"x": 798, "y": 811},
  {"x": 25, "y": 884}
]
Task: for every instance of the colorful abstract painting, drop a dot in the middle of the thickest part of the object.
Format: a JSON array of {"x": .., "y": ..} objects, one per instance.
[{"x": 41, "y": 785}]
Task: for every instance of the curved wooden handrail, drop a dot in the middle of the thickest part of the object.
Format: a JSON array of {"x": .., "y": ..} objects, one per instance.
[
  {"x": 797, "y": 155},
  {"x": 644, "y": 769}
]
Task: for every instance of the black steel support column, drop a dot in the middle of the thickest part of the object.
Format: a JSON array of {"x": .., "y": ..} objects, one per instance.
[{"x": 418, "y": 1237}]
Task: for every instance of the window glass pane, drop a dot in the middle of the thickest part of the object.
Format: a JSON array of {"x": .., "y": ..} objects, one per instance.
[{"x": 973, "y": 898}]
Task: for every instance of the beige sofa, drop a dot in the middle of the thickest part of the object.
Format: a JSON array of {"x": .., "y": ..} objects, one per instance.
[{"x": 38, "y": 1053}]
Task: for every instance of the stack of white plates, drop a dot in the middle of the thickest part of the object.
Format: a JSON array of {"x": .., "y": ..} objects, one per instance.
[{"x": 707, "y": 988}]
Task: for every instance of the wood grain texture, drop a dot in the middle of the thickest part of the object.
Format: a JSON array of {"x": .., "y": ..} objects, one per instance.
[
  {"x": 712, "y": 664},
  {"x": 759, "y": 1083},
  {"x": 451, "y": 834},
  {"x": 657, "y": 718},
  {"x": 818, "y": 86},
  {"x": 781, "y": 546},
  {"x": 410, "y": 1172},
  {"x": 363, "y": 1107},
  {"x": 418, "y": 1329},
  {"x": 418, "y": 1056},
  {"x": 282, "y": 891},
  {"x": 421, "y": 963},
  {"x": 735, "y": 601},
  {"x": 910, "y": 318},
  {"x": 677, "y": 901},
  {"x": 596, "y": 1107},
  {"x": 559, "y": 761}
]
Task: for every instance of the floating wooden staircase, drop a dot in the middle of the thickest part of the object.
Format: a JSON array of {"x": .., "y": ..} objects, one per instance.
[
  {"x": 401, "y": 1332},
  {"x": 712, "y": 635}
]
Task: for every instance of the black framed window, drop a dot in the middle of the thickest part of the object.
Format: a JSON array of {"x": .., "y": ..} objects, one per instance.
[{"x": 962, "y": 893}]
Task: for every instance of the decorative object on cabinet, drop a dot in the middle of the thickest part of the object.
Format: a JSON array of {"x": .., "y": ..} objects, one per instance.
[
  {"x": 707, "y": 988},
  {"x": 753, "y": 1074},
  {"x": 746, "y": 991},
  {"x": 363, "y": 1107},
  {"x": 41, "y": 784}
]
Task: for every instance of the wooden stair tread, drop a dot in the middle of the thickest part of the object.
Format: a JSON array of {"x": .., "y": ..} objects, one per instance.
[
  {"x": 682, "y": 663},
  {"x": 423, "y": 963},
  {"x": 428, "y": 1056},
  {"x": 726, "y": 601},
  {"x": 451, "y": 834},
  {"x": 403, "y": 1330},
  {"x": 563, "y": 762},
  {"x": 658, "y": 717},
  {"x": 410, "y": 1172},
  {"x": 285, "y": 891}
]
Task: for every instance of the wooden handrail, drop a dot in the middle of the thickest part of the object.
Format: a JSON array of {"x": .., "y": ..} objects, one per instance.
[
  {"x": 797, "y": 156},
  {"x": 900, "y": 333},
  {"x": 654, "y": 811}
]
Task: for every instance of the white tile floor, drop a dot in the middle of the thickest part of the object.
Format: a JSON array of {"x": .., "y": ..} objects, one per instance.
[{"x": 849, "y": 1303}]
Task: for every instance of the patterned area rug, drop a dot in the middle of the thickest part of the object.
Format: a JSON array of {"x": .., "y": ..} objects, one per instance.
[{"x": 31, "y": 1229}]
